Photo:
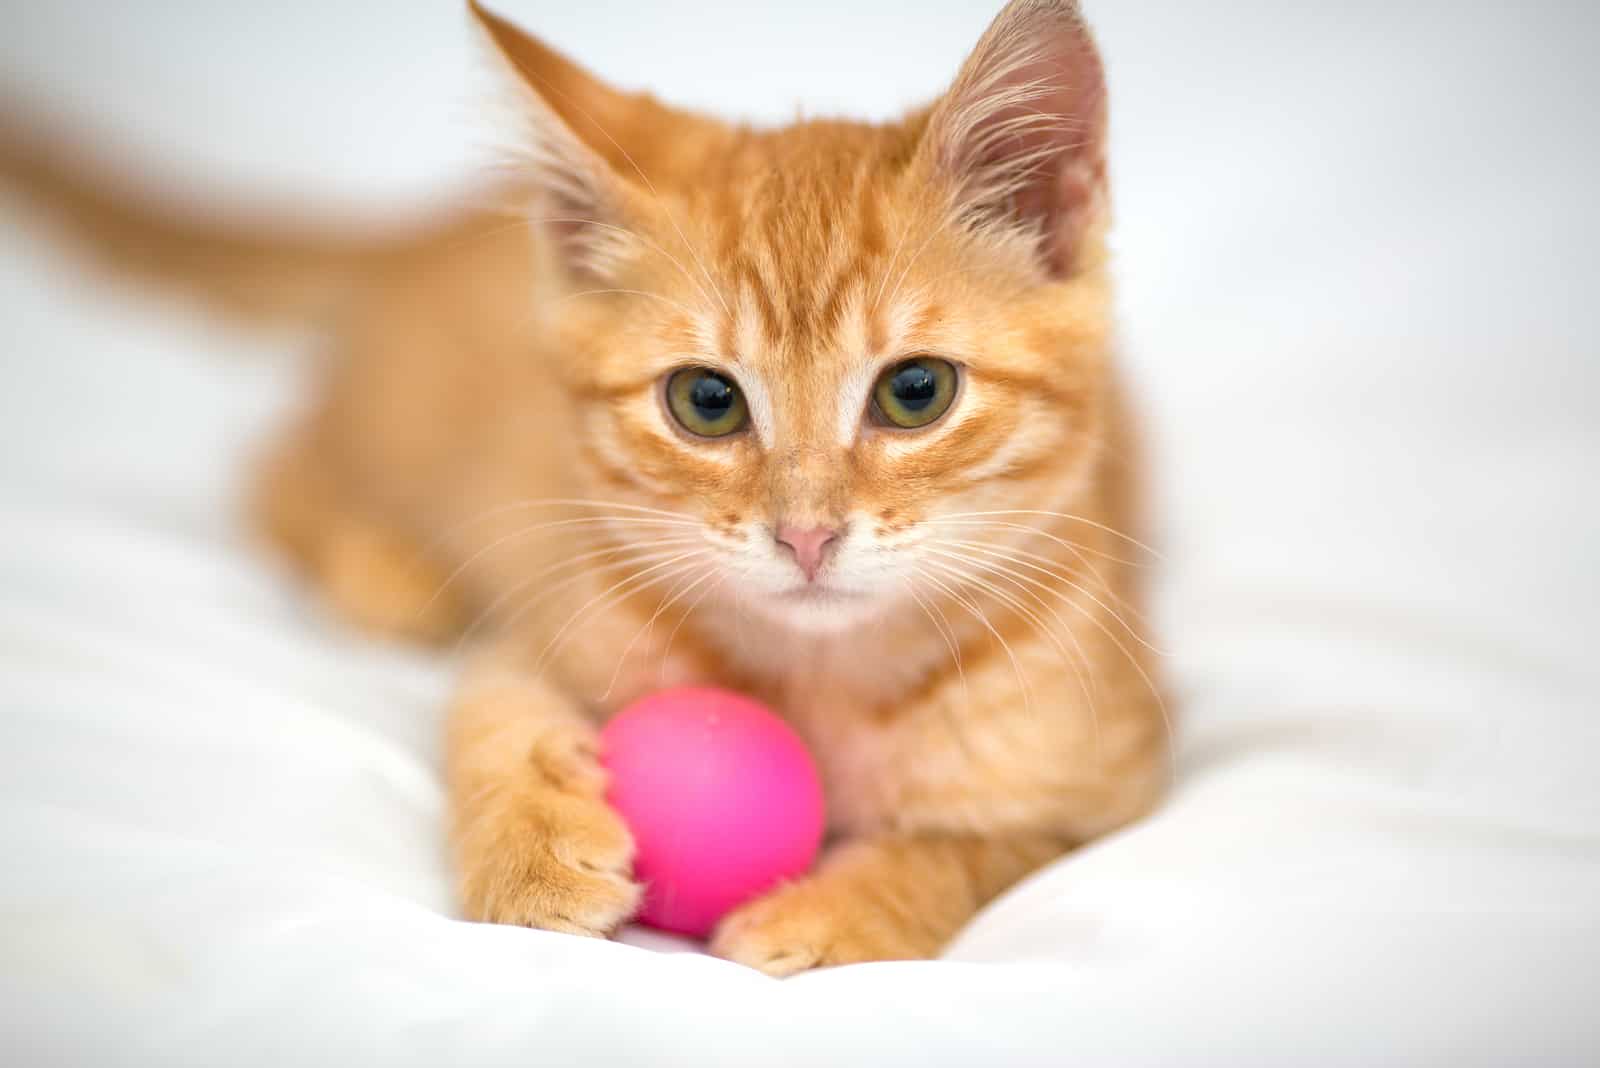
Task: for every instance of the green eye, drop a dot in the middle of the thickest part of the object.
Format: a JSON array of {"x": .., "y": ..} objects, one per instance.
[
  {"x": 706, "y": 403},
  {"x": 915, "y": 393}
]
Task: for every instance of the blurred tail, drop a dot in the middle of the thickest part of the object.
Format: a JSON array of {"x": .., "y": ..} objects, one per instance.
[{"x": 258, "y": 272}]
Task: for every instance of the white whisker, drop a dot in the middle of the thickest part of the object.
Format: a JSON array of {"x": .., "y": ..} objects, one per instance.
[
  {"x": 618, "y": 590},
  {"x": 1075, "y": 548},
  {"x": 666, "y": 650},
  {"x": 887, "y": 271},
  {"x": 674, "y": 595},
  {"x": 977, "y": 613},
  {"x": 1068, "y": 516},
  {"x": 1133, "y": 662},
  {"x": 912, "y": 262},
  {"x": 1079, "y": 667},
  {"x": 524, "y": 532},
  {"x": 636, "y": 553},
  {"x": 955, "y": 657},
  {"x": 438, "y": 540},
  {"x": 988, "y": 550}
]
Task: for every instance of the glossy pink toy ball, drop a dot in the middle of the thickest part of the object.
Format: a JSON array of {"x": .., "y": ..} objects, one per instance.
[{"x": 721, "y": 796}]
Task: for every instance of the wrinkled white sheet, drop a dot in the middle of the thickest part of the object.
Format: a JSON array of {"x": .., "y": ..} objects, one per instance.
[{"x": 1354, "y": 241}]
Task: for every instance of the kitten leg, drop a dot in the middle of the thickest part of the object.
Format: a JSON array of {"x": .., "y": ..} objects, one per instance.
[
  {"x": 881, "y": 898},
  {"x": 536, "y": 843},
  {"x": 379, "y": 581},
  {"x": 370, "y": 574}
]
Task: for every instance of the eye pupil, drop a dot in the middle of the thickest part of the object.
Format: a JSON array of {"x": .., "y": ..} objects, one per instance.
[
  {"x": 914, "y": 386},
  {"x": 712, "y": 397}
]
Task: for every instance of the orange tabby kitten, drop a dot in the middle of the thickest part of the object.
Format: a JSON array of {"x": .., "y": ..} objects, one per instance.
[{"x": 826, "y": 414}]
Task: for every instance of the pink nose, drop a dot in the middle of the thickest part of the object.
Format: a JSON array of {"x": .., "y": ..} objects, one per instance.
[{"x": 809, "y": 546}]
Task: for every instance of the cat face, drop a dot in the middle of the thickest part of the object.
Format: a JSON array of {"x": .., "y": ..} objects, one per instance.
[
  {"x": 827, "y": 346},
  {"x": 837, "y": 387}
]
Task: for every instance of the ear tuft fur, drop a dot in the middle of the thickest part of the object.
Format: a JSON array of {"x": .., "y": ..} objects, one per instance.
[{"x": 580, "y": 198}]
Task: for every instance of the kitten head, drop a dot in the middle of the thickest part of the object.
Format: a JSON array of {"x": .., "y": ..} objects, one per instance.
[{"x": 826, "y": 343}]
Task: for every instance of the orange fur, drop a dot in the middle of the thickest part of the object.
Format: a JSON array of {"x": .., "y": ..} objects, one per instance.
[{"x": 971, "y": 674}]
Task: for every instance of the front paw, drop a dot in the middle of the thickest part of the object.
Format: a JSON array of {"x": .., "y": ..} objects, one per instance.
[
  {"x": 553, "y": 860},
  {"x": 810, "y": 924}
]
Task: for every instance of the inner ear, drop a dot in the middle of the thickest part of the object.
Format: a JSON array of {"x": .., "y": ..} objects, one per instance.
[{"x": 1020, "y": 136}]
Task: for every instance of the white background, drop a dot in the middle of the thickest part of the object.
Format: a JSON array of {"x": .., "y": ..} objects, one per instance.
[{"x": 1357, "y": 245}]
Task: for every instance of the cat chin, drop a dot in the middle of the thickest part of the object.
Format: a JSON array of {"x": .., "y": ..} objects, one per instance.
[{"x": 818, "y": 611}]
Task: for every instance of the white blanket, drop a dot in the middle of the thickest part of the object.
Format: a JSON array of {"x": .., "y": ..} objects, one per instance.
[{"x": 1358, "y": 249}]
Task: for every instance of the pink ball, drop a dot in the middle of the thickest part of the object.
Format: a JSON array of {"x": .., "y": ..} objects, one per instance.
[{"x": 722, "y": 798}]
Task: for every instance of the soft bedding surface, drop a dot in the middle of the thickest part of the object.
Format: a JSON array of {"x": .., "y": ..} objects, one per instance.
[{"x": 1357, "y": 248}]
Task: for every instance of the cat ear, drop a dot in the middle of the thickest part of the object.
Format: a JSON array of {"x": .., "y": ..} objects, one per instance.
[
  {"x": 1020, "y": 136},
  {"x": 562, "y": 114}
]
